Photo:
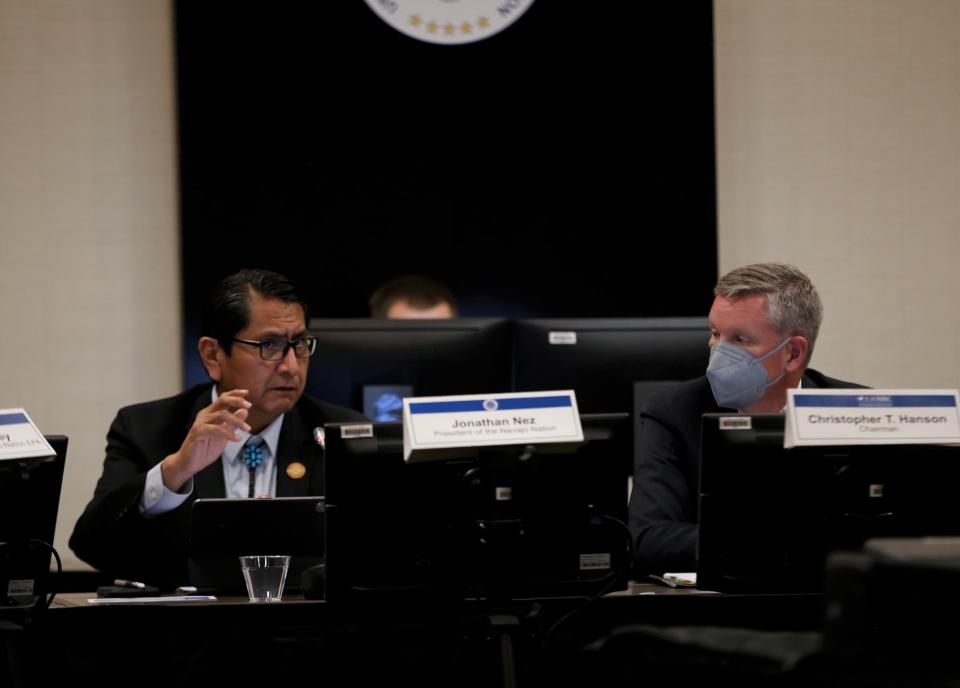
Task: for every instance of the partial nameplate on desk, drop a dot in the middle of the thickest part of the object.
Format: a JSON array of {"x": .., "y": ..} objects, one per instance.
[
  {"x": 871, "y": 416},
  {"x": 441, "y": 427},
  {"x": 162, "y": 599},
  {"x": 20, "y": 438}
]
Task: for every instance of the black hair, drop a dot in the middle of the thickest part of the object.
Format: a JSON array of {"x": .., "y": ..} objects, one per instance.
[{"x": 228, "y": 310}]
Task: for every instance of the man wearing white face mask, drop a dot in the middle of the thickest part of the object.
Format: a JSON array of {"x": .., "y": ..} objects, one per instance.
[{"x": 763, "y": 325}]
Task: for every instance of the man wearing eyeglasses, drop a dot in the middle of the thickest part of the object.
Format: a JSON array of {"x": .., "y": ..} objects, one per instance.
[{"x": 250, "y": 434}]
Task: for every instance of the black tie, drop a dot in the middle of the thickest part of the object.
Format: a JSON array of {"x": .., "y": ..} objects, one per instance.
[{"x": 252, "y": 456}]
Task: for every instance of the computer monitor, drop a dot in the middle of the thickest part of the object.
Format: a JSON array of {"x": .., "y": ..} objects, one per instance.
[
  {"x": 602, "y": 358},
  {"x": 769, "y": 516},
  {"x": 371, "y": 364},
  {"x": 446, "y": 529},
  {"x": 29, "y": 501}
]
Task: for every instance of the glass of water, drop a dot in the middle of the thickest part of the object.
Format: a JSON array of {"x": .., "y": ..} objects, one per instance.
[{"x": 265, "y": 575}]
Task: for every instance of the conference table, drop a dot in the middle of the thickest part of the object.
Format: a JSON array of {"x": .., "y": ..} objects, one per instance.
[{"x": 384, "y": 639}]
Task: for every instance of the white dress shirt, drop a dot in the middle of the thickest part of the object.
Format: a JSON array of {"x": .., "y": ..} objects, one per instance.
[{"x": 158, "y": 499}]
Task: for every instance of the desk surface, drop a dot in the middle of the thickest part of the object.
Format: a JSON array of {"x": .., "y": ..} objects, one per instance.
[
  {"x": 624, "y": 634},
  {"x": 635, "y": 589},
  {"x": 196, "y": 643},
  {"x": 73, "y": 600},
  {"x": 641, "y": 603}
]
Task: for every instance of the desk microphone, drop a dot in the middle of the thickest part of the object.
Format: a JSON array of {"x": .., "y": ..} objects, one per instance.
[{"x": 319, "y": 437}]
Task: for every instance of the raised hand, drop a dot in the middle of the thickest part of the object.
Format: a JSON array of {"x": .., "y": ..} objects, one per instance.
[{"x": 213, "y": 427}]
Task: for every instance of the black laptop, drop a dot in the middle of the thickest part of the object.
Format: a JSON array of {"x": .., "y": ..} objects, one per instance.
[{"x": 222, "y": 530}]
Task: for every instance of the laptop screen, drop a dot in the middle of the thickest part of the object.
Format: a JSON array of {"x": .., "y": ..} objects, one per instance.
[{"x": 222, "y": 530}]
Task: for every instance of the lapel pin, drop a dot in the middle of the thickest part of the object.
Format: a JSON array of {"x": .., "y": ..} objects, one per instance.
[{"x": 296, "y": 470}]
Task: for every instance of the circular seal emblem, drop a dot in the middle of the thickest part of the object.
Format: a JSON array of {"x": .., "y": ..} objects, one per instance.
[
  {"x": 449, "y": 22},
  {"x": 490, "y": 405},
  {"x": 296, "y": 470}
]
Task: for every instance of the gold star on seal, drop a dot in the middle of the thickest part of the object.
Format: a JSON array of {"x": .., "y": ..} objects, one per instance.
[
  {"x": 449, "y": 28},
  {"x": 432, "y": 27},
  {"x": 415, "y": 20},
  {"x": 484, "y": 22},
  {"x": 466, "y": 27}
]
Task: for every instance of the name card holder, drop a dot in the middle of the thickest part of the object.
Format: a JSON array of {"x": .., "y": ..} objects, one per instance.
[
  {"x": 875, "y": 416},
  {"x": 442, "y": 427},
  {"x": 20, "y": 438}
]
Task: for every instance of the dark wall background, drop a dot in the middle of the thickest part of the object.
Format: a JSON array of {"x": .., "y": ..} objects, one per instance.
[{"x": 562, "y": 168}]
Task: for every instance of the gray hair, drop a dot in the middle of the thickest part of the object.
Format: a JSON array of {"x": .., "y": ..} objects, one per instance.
[{"x": 794, "y": 306}]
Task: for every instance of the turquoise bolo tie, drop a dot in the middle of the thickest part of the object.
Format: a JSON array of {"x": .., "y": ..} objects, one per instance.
[{"x": 252, "y": 456}]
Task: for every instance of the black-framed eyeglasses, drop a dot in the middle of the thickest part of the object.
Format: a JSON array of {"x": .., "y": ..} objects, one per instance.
[{"x": 276, "y": 349}]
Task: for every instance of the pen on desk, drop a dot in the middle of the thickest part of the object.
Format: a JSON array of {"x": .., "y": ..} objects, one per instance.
[{"x": 123, "y": 583}]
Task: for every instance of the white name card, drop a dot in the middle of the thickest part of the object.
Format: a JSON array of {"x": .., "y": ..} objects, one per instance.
[
  {"x": 20, "y": 438},
  {"x": 874, "y": 416},
  {"x": 436, "y": 427}
]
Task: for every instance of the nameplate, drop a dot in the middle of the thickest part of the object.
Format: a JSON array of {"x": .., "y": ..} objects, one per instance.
[
  {"x": 875, "y": 416},
  {"x": 437, "y": 427},
  {"x": 20, "y": 438}
]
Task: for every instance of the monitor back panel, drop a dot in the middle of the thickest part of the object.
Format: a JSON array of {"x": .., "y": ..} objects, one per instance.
[
  {"x": 414, "y": 357},
  {"x": 29, "y": 502},
  {"x": 437, "y": 528},
  {"x": 601, "y": 358},
  {"x": 769, "y": 516}
]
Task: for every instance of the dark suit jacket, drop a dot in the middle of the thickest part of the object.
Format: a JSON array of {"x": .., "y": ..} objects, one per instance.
[
  {"x": 113, "y": 536},
  {"x": 663, "y": 504}
]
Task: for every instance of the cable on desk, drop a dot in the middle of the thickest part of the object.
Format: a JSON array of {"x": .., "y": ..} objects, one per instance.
[
  {"x": 617, "y": 575},
  {"x": 56, "y": 556}
]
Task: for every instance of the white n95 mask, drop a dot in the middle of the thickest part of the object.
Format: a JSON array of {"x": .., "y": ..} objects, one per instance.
[{"x": 737, "y": 377}]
